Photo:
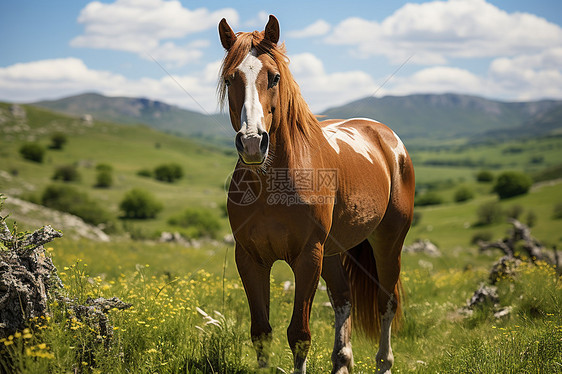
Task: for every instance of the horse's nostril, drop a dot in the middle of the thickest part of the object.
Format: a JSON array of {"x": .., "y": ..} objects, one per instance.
[
  {"x": 264, "y": 143},
  {"x": 238, "y": 142}
]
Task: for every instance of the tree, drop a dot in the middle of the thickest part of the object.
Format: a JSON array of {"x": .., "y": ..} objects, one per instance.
[
  {"x": 512, "y": 183},
  {"x": 32, "y": 152},
  {"x": 463, "y": 194},
  {"x": 485, "y": 176},
  {"x": 104, "y": 176},
  {"x": 67, "y": 173},
  {"x": 58, "y": 140},
  {"x": 168, "y": 172},
  {"x": 140, "y": 204}
]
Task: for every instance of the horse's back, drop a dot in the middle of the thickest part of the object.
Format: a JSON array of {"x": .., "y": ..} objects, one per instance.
[{"x": 375, "y": 173}]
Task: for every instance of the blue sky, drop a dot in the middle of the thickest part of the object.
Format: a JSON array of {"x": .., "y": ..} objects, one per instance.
[{"x": 340, "y": 51}]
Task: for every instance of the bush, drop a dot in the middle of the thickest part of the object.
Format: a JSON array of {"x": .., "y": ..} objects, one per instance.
[
  {"x": 168, "y": 172},
  {"x": 201, "y": 222},
  {"x": 514, "y": 211},
  {"x": 32, "y": 152},
  {"x": 557, "y": 214},
  {"x": 463, "y": 194},
  {"x": 145, "y": 173},
  {"x": 58, "y": 140},
  {"x": 512, "y": 183},
  {"x": 484, "y": 236},
  {"x": 104, "y": 176},
  {"x": 140, "y": 204},
  {"x": 66, "y": 173},
  {"x": 489, "y": 213},
  {"x": 429, "y": 198},
  {"x": 69, "y": 199},
  {"x": 484, "y": 176},
  {"x": 550, "y": 173}
]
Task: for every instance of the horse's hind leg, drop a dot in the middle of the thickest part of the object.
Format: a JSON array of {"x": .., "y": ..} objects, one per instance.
[
  {"x": 338, "y": 291},
  {"x": 387, "y": 241},
  {"x": 255, "y": 278}
]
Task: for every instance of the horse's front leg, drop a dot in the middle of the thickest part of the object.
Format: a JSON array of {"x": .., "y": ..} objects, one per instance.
[
  {"x": 307, "y": 268},
  {"x": 255, "y": 278},
  {"x": 340, "y": 298}
]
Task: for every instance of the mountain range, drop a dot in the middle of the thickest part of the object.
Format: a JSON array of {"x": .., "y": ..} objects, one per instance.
[{"x": 416, "y": 118}]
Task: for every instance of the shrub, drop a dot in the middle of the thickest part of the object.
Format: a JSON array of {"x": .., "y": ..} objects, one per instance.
[
  {"x": 145, "y": 173},
  {"x": 168, "y": 172},
  {"x": 429, "y": 198},
  {"x": 104, "y": 179},
  {"x": 550, "y": 173},
  {"x": 512, "y": 183},
  {"x": 484, "y": 236},
  {"x": 463, "y": 194},
  {"x": 514, "y": 211},
  {"x": 531, "y": 219},
  {"x": 557, "y": 214},
  {"x": 484, "y": 176},
  {"x": 32, "y": 152},
  {"x": 140, "y": 204},
  {"x": 66, "y": 173},
  {"x": 200, "y": 222},
  {"x": 104, "y": 176},
  {"x": 58, "y": 140},
  {"x": 69, "y": 199},
  {"x": 489, "y": 213}
]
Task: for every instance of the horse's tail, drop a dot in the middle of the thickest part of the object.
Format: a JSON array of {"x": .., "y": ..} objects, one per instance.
[{"x": 359, "y": 263}]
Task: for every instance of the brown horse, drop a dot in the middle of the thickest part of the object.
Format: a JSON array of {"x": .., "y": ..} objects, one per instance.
[{"x": 332, "y": 199}]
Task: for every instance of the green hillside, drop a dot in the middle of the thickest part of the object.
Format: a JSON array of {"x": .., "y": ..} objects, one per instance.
[
  {"x": 161, "y": 116},
  {"x": 127, "y": 149},
  {"x": 452, "y": 117}
]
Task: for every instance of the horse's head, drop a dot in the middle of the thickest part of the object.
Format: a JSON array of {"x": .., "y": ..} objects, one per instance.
[{"x": 250, "y": 80}]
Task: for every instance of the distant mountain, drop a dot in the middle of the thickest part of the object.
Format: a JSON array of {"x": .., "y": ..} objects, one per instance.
[
  {"x": 156, "y": 114},
  {"x": 454, "y": 116},
  {"x": 420, "y": 119}
]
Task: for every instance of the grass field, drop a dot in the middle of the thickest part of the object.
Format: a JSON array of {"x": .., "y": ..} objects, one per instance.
[{"x": 164, "y": 333}]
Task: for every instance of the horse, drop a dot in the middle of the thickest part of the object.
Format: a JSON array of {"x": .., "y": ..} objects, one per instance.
[{"x": 334, "y": 199}]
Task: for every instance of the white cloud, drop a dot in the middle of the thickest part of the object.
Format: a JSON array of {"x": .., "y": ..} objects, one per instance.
[
  {"x": 322, "y": 89},
  {"x": 146, "y": 26},
  {"x": 50, "y": 79},
  {"x": 436, "y": 31},
  {"x": 317, "y": 28},
  {"x": 530, "y": 76},
  {"x": 440, "y": 79},
  {"x": 525, "y": 77}
]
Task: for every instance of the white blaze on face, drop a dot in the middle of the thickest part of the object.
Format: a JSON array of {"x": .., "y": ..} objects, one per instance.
[{"x": 252, "y": 112}]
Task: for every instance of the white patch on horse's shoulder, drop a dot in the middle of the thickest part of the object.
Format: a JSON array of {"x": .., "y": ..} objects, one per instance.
[{"x": 349, "y": 135}]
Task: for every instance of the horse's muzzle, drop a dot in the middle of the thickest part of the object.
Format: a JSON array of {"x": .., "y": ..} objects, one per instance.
[{"x": 252, "y": 149}]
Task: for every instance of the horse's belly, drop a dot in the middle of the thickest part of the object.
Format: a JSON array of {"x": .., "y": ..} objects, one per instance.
[{"x": 354, "y": 219}]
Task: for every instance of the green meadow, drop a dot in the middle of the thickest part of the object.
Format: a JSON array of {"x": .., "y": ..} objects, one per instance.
[{"x": 164, "y": 332}]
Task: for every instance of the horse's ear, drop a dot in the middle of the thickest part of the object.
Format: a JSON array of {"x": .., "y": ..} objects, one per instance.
[
  {"x": 228, "y": 37},
  {"x": 272, "y": 30}
]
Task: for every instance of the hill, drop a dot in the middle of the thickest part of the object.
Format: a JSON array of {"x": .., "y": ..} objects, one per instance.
[
  {"x": 156, "y": 114},
  {"x": 456, "y": 117},
  {"x": 127, "y": 149}
]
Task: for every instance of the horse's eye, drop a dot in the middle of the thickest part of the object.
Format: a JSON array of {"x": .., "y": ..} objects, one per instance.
[
  {"x": 227, "y": 82},
  {"x": 274, "y": 80}
]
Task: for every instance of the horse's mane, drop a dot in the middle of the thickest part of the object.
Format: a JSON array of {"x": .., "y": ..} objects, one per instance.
[{"x": 293, "y": 110}]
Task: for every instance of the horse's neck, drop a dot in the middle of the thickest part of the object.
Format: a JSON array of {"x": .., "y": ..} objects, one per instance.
[{"x": 293, "y": 151}]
